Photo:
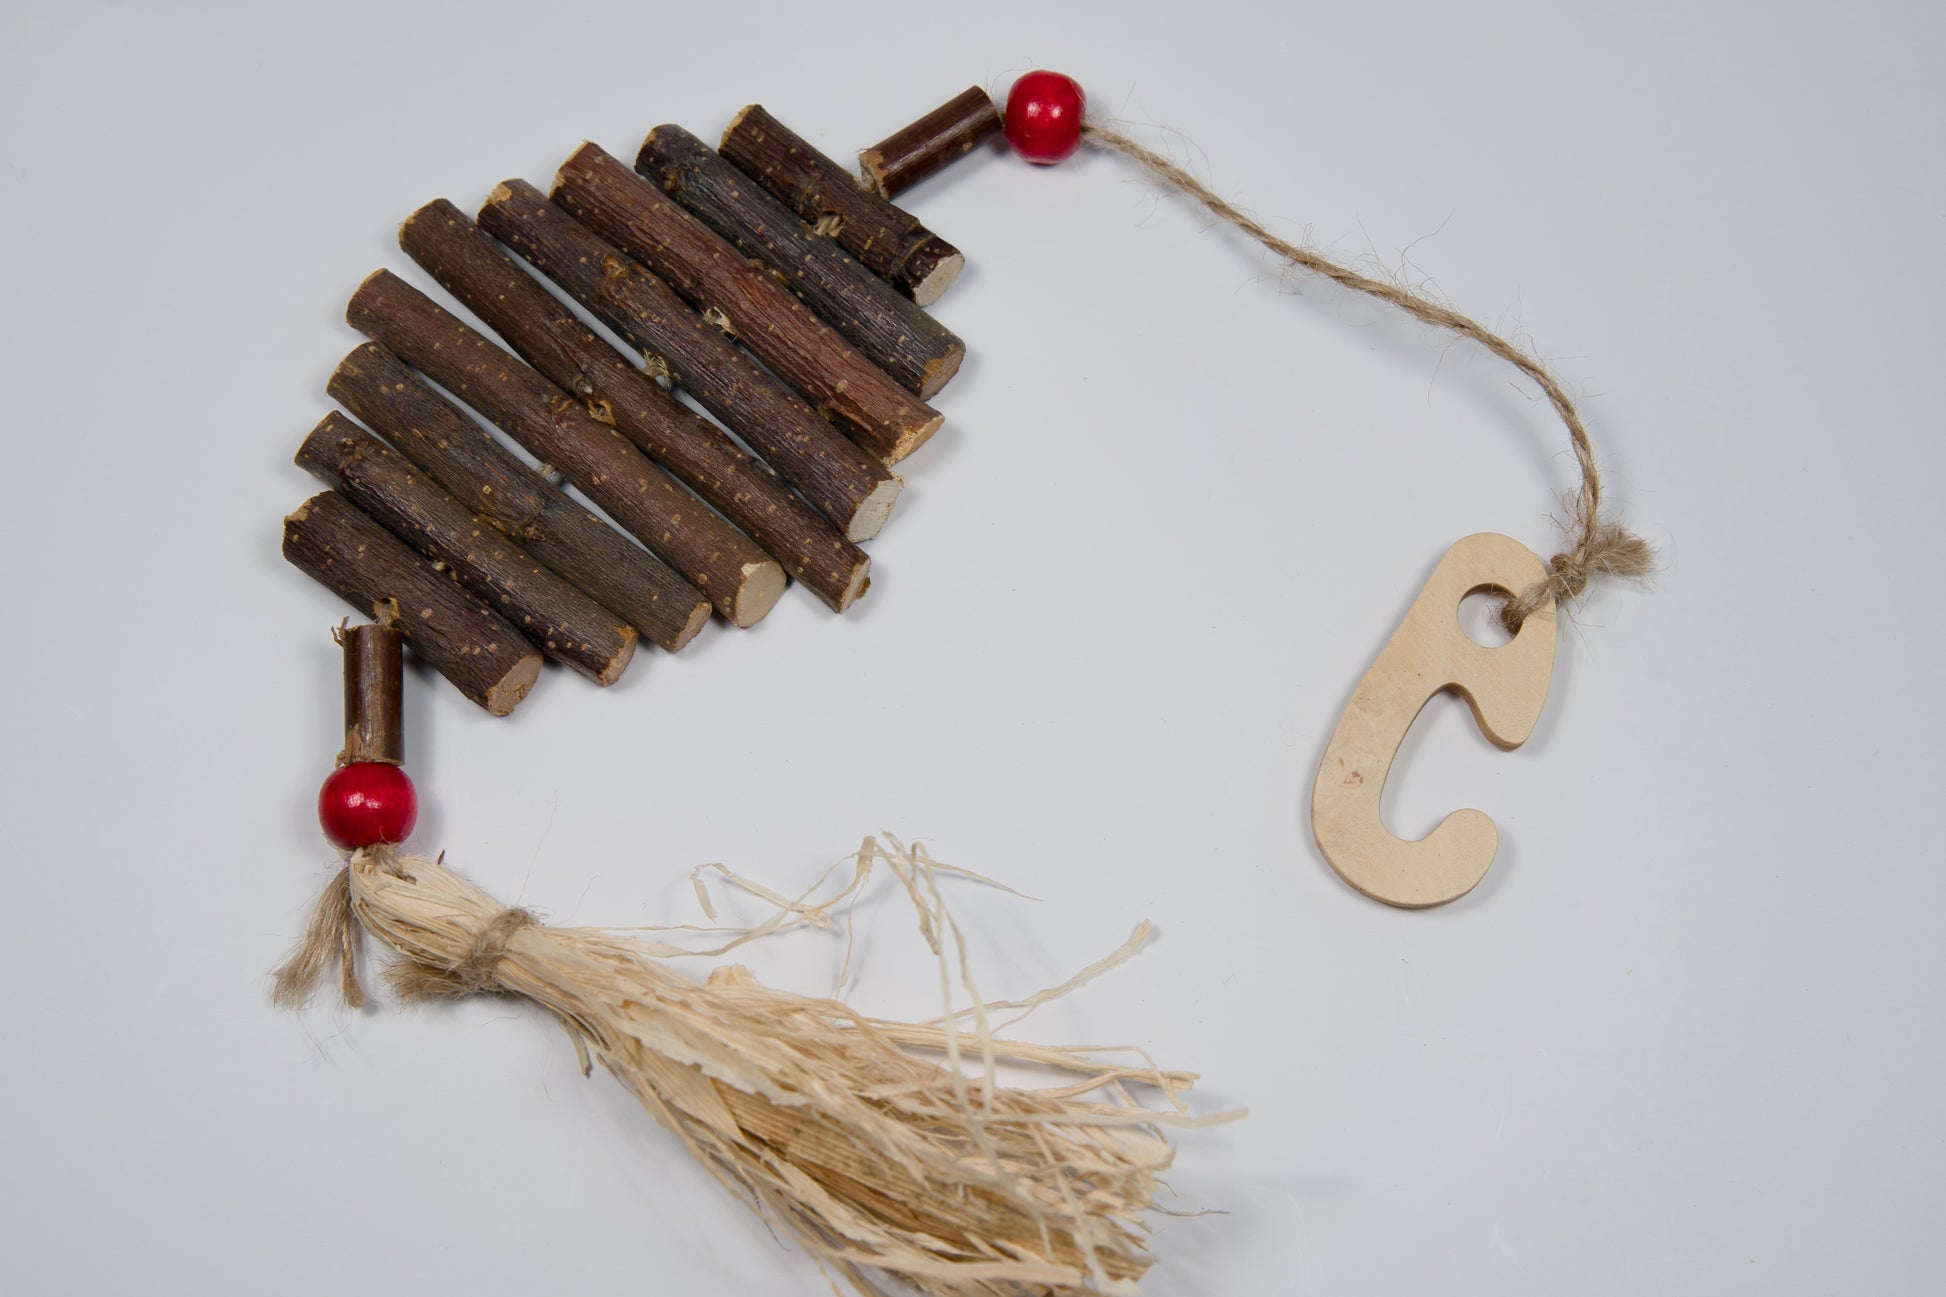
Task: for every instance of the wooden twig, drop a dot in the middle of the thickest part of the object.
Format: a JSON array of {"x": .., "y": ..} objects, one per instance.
[
  {"x": 483, "y": 475},
  {"x": 556, "y": 617},
  {"x": 329, "y": 540},
  {"x": 745, "y": 302},
  {"x": 474, "y": 269},
  {"x": 910, "y": 345},
  {"x": 840, "y": 479},
  {"x": 374, "y": 694},
  {"x": 950, "y": 131},
  {"x": 890, "y": 242},
  {"x": 738, "y": 578}
]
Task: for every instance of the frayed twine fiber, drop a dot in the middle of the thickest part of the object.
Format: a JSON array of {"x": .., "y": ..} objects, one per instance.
[
  {"x": 1596, "y": 546},
  {"x": 865, "y": 1139}
]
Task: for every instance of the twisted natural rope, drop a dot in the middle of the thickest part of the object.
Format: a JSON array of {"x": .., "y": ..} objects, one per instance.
[
  {"x": 1597, "y": 546},
  {"x": 333, "y": 934}
]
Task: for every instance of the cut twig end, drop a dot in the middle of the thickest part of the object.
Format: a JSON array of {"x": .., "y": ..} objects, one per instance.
[
  {"x": 761, "y": 588},
  {"x": 505, "y": 694},
  {"x": 861, "y": 581},
  {"x": 737, "y": 121},
  {"x": 938, "y": 279},
  {"x": 913, "y": 436},
  {"x": 874, "y": 509},
  {"x": 619, "y": 663},
  {"x": 940, "y": 370}
]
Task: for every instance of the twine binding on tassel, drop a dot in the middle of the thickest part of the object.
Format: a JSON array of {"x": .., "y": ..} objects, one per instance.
[
  {"x": 1597, "y": 546},
  {"x": 864, "y": 1139}
]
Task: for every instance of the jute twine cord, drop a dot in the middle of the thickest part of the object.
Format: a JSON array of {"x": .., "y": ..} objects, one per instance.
[{"x": 1597, "y": 546}]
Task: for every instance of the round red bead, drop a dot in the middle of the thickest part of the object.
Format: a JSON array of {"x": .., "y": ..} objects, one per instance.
[
  {"x": 366, "y": 803},
  {"x": 1044, "y": 116}
]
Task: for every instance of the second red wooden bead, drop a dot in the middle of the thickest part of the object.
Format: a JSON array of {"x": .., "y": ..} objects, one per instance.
[
  {"x": 1043, "y": 121},
  {"x": 366, "y": 803}
]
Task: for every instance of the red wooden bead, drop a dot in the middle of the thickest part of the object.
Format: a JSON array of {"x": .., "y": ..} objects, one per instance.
[
  {"x": 1044, "y": 116},
  {"x": 366, "y": 803}
]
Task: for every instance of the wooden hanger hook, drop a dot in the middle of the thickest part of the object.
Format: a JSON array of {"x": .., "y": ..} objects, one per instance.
[{"x": 1505, "y": 686}]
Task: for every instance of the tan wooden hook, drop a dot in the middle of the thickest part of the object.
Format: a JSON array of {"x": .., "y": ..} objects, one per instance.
[{"x": 1506, "y": 688}]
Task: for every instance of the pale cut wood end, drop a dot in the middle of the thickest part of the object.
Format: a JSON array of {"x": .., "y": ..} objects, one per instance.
[
  {"x": 763, "y": 586},
  {"x": 914, "y": 436},
  {"x": 934, "y": 285},
  {"x": 939, "y": 372},
  {"x": 874, "y": 509},
  {"x": 505, "y": 694}
]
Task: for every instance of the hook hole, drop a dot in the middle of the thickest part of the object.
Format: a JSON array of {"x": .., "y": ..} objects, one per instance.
[{"x": 1479, "y": 617}]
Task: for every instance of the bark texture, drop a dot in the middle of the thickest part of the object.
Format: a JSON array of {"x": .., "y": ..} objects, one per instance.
[
  {"x": 898, "y": 335},
  {"x": 477, "y": 271},
  {"x": 486, "y": 477},
  {"x": 840, "y": 479},
  {"x": 889, "y": 241},
  {"x": 374, "y": 694},
  {"x": 341, "y": 548},
  {"x": 737, "y": 577},
  {"x": 746, "y": 302},
  {"x": 947, "y": 133},
  {"x": 555, "y": 616}
]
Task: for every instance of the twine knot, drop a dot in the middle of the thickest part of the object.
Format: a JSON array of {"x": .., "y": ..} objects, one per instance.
[
  {"x": 478, "y": 971},
  {"x": 1603, "y": 549},
  {"x": 1570, "y": 575},
  {"x": 333, "y": 935}
]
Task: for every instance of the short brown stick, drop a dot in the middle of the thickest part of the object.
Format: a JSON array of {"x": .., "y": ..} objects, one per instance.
[
  {"x": 840, "y": 479},
  {"x": 555, "y": 616},
  {"x": 342, "y": 549},
  {"x": 484, "y": 476},
  {"x": 374, "y": 694},
  {"x": 477, "y": 271},
  {"x": 948, "y": 132},
  {"x": 740, "y": 579},
  {"x": 840, "y": 382},
  {"x": 889, "y": 241},
  {"x": 910, "y": 345}
]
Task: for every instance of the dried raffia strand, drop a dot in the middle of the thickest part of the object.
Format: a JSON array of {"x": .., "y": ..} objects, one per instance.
[
  {"x": 1598, "y": 546},
  {"x": 873, "y": 1156}
]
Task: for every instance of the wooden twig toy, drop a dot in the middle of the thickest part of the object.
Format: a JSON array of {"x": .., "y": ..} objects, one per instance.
[{"x": 787, "y": 301}]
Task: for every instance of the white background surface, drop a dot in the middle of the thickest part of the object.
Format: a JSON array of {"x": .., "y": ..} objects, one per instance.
[{"x": 1686, "y": 1037}]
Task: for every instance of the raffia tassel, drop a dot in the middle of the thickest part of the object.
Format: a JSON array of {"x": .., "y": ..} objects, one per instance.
[{"x": 865, "y": 1139}]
